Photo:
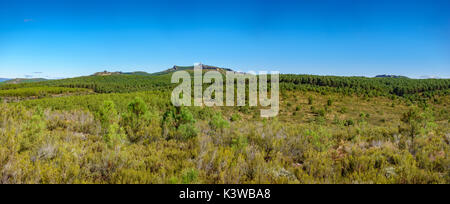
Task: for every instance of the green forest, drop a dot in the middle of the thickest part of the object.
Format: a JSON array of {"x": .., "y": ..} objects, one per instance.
[{"x": 123, "y": 129}]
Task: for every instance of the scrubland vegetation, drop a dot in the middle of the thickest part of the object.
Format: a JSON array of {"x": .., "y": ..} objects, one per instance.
[
  {"x": 329, "y": 130},
  {"x": 39, "y": 91}
]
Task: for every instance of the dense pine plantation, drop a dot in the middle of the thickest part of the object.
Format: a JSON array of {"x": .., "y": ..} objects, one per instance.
[{"x": 124, "y": 129}]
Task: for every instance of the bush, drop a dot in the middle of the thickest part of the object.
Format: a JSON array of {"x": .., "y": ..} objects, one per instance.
[
  {"x": 179, "y": 124},
  {"x": 33, "y": 133},
  {"x": 187, "y": 131},
  {"x": 364, "y": 115},
  {"x": 108, "y": 115},
  {"x": 415, "y": 120},
  {"x": 349, "y": 122},
  {"x": 185, "y": 116},
  {"x": 310, "y": 100},
  {"x": 329, "y": 102},
  {"x": 141, "y": 124},
  {"x": 417, "y": 123},
  {"x": 235, "y": 117},
  {"x": 244, "y": 109},
  {"x": 205, "y": 113},
  {"x": 319, "y": 112},
  {"x": 218, "y": 122},
  {"x": 113, "y": 134},
  {"x": 343, "y": 110},
  {"x": 190, "y": 176},
  {"x": 239, "y": 143}
]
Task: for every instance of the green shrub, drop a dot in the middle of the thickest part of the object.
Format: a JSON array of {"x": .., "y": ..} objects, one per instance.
[
  {"x": 329, "y": 102},
  {"x": 190, "y": 176},
  {"x": 187, "y": 131},
  {"x": 418, "y": 123},
  {"x": 239, "y": 143},
  {"x": 115, "y": 135},
  {"x": 310, "y": 100},
  {"x": 39, "y": 91},
  {"x": 244, "y": 109},
  {"x": 179, "y": 124},
  {"x": 318, "y": 112},
  {"x": 108, "y": 114},
  {"x": 205, "y": 113},
  {"x": 343, "y": 110},
  {"x": 218, "y": 122},
  {"x": 141, "y": 124},
  {"x": 364, "y": 115},
  {"x": 33, "y": 133},
  {"x": 185, "y": 116},
  {"x": 349, "y": 122},
  {"x": 235, "y": 117}
]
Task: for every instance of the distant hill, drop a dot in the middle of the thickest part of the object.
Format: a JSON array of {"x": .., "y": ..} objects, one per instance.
[
  {"x": 391, "y": 76},
  {"x": 3, "y": 79},
  {"x": 21, "y": 80},
  {"x": 204, "y": 67}
]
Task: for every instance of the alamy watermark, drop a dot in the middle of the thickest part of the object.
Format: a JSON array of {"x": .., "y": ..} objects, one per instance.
[{"x": 214, "y": 94}]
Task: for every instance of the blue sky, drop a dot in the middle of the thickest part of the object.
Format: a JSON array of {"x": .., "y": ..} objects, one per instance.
[{"x": 67, "y": 38}]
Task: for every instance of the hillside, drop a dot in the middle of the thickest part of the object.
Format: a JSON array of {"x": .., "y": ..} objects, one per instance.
[{"x": 413, "y": 89}]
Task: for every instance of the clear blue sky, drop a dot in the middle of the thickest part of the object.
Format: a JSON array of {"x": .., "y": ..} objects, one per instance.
[{"x": 66, "y": 38}]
